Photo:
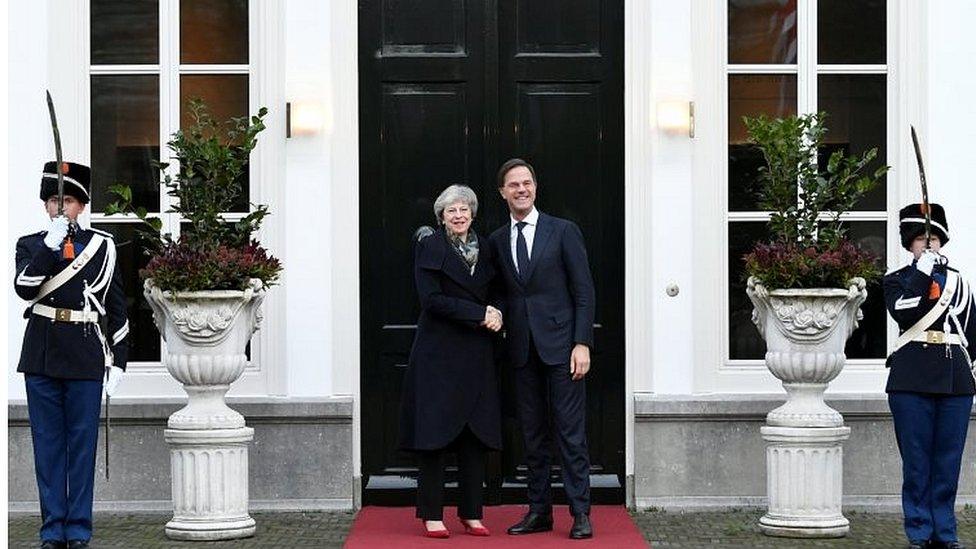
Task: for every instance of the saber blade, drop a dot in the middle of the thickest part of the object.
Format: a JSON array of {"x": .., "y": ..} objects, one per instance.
[
  {"x": 57, "y": 151},
  {"x": 926, "y": 209}
]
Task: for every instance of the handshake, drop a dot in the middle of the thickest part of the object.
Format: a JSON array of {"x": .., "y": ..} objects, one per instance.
[{"x": 493, "y": 319}]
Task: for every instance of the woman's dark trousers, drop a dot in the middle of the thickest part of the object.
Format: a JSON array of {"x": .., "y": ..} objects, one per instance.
[
  {"x": 931, "y": 434},
  {"x": 471, "y": 475}
]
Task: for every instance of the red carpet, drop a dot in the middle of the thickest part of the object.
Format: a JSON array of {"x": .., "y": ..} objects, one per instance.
[{"x": 396, "y": 527}]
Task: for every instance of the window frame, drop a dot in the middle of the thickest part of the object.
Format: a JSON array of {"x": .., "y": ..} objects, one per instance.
[
  {"x": 266, "y": 87},
  {"x": 714, "y": 370}
]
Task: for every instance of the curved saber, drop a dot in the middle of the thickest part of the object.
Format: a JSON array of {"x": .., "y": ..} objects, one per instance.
[
  {"x": 926, "y": 209},
  {"x": 57, "y": 151}
]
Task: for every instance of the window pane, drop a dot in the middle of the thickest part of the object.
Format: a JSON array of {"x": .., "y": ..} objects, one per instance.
[
  {"x": 856, "y": 109},
  {"x": 227, "y": 96},
  {"x": 143, "y": 336},
  {"x": 125, "y": 138},
  {"x": 762, "y": 31},
  {"x": 124, "y": 32},
  {"x": 744, "y": 339},
  {"x": 869, "y": 340},
  {"x": 213, "y": 31},
  {"x": 752, "y": 95},
  {"x": 851, "y": 32}
]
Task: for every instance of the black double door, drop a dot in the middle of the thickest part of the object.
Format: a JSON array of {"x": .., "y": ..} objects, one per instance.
[{"x": 450, "y": 89}]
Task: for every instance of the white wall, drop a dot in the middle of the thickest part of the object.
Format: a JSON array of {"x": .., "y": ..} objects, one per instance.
[
  {"x": 948, "y": 147},
  {"x": 323, "y": 194},
  {"x": 30, "y": 145}
]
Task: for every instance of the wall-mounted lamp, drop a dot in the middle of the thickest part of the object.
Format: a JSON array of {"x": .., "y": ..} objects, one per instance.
[
  {"x": 303, "y": 118},
  {"x": 676, "y": 117}
]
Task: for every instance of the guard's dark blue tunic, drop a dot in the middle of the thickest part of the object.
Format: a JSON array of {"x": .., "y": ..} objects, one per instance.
[
  {"x": 923, "y": 367},
  {"x": 69, "y": 350},
  {"x": 930, "y": 393},
  {"x": 64, "y": 363}
]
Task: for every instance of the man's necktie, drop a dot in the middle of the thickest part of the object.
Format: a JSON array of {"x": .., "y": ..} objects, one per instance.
[{"x": 521, "y": 249}]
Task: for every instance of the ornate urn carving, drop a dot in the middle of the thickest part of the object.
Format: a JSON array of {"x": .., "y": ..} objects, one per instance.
[{"x": 806, "y": 331}]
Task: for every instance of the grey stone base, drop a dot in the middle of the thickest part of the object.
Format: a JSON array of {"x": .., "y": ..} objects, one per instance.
[
  {"x": 705, "y": 452},
  {"x": 301, "y": 457}
]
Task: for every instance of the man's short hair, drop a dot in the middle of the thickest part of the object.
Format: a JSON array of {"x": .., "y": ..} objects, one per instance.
[{"x": 511, "y": 164}]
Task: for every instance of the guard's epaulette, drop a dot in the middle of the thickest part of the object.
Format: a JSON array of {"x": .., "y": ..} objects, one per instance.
[
  {"x": 38, "y": 233},
  {"x": 898, "y": 270},
  {"x": 103, "y": 233}
]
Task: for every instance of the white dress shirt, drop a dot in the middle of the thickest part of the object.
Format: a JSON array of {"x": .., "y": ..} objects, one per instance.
[{"x": 528, "y": 231}]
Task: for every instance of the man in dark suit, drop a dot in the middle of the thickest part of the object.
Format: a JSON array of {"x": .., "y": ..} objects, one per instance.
[{"x": 548, "y": 309}]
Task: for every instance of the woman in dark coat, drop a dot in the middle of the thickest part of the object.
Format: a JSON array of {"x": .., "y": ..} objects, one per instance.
[{"x": 450, "y": 396}]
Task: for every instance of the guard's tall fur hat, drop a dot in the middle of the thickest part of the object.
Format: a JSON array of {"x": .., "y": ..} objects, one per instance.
[
  {"x": 912, "y": 224},
  {"x": 77, "y": 181}
]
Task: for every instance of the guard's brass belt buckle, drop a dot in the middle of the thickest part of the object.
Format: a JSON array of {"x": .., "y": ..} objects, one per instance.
[
  {"x": 933, "y": 336},
  {"x": 62, "y": 315}
]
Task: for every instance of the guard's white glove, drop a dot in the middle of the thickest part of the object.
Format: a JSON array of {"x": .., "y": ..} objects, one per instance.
[
  {"x": 926, "y": 261},
  {"x": 56, "y": 233},
  {"x": 113, "y": 374}
]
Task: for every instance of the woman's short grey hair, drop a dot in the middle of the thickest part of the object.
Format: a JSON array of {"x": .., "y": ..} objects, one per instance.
[{"x": 452, "y": 194}]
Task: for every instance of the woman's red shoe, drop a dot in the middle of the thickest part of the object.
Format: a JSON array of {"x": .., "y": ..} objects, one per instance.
[
  {"x": 440, "y": 534},
  {"x": 476, "y": 530}
]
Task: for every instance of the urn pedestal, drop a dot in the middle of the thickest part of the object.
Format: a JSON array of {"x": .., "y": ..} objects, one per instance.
[
  {"x": 805, "y": 331},
  {"x": 206, "y": 334}
]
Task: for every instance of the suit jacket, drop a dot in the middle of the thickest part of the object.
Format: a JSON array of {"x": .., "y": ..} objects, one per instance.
[
  {"x": 553, "y": 301},
  {"x": 450, "y": 378},
  {"x": 69, "y": 350},
  {"x": 921, "y": 367}
]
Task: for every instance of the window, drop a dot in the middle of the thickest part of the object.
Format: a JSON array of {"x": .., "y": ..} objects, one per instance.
[
  {"x": 147, "y": 59},
  {"x": 783, "y": 59}
]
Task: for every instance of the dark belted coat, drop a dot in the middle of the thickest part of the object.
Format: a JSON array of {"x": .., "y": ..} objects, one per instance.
[
  {"x": 929, "y": 368},
  {"x": 450, "y": 379},
  {"x": 67, "y": 350}
]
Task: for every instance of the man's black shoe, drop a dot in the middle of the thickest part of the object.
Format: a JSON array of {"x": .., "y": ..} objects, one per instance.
[
  {"x": 78, "y": 544},
  {"x": 532, "y": 523},
  {"x": 582, "y": 529},
  {"x": 52, "y": 544},
  {"x": 953, "y": 545}
]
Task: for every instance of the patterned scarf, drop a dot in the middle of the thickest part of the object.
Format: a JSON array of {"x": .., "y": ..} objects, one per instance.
[{"x": 467, "y": 250}]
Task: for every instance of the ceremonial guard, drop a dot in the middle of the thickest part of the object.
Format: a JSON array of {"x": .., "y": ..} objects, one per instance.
[
  {"x": 75, "y": 339},
  {"x": 930, "y": 384}
]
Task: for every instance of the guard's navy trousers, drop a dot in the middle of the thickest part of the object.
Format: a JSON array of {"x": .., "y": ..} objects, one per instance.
[
  {"x": 64, "y": 426},
  {"x": 931, "y": 433}
]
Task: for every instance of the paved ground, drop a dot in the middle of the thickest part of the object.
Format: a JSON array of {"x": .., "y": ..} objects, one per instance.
[{"x": 327, "y": 530}]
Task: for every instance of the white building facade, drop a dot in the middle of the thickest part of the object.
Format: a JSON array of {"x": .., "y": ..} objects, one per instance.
[{"x": 695, "y": 389}]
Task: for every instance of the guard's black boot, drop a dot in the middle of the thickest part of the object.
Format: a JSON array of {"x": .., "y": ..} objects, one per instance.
[
  {"x": 582, "y": 529},
  {"x": 52, "y": 544},
  {"x": 532, "y": 523},
  {"x": 78, "y": 544}
]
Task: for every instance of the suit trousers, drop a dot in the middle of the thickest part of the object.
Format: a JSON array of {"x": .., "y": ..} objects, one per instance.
[
  {"x": 550, "y": 402},
  {"x": 931, "y": 432},
  {"x": 64, "y": 427},
  {"x": 471, "y": 477}
]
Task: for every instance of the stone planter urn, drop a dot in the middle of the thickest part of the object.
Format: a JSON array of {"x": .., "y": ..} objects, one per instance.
[
  {"x": 206, "y": 334},
  {"x": 806, "y": 331}
]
